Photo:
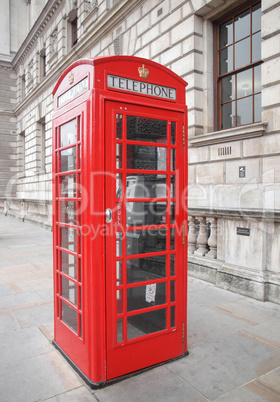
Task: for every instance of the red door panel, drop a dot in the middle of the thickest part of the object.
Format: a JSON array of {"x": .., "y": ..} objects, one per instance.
[{"x": 145, "y": 312}]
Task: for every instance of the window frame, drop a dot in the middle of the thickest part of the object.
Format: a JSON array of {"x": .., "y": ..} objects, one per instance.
[{"x": 248, "y": 67}]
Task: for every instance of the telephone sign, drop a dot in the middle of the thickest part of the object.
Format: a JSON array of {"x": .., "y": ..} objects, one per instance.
[{"x": 120, "y": 255}]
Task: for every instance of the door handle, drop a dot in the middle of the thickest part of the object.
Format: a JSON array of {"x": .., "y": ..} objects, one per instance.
[{"x": 108, "y": 214}]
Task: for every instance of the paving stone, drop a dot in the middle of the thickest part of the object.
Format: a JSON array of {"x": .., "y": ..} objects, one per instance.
[
  {"x": 34, "y": 316},
  {"x": 79, "y": 394},
  {"x": 223, "y": 365},
  {"x": 37, "y": 378},
  {"x": 158, "y": 384}
]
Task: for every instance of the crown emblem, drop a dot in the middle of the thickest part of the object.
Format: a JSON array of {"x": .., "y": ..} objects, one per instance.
[
  {"x": 143, "y": 72},
  {"x": 71, "y": 78}
]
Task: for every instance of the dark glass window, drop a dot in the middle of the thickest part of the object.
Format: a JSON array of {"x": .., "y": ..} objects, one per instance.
[
  {"x": 239, "y": 70},
  {"x": 74, "y": 31}
]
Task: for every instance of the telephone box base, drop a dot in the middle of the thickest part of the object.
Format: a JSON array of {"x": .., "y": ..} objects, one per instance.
[{"x": 102, "y": 384}]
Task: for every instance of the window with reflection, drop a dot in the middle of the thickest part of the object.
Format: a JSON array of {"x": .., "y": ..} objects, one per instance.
[{"x": 239, "y": 67}]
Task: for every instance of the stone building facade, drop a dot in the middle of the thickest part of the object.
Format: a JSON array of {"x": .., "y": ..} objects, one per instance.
[{"x": 229, "y": 53}]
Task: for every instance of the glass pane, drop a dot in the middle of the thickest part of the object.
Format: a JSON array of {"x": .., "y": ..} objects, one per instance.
[
  {"x": 244, "y": 111},
  {"x": 226, "y": 60},
  {"x": 69, "y": 290},
  {"x": 146, "y": 186},
  {"x": 119, "y": 330},
  {"x": 173, "y": 186},
  {"x": 119, "y": 163},
  {"x": 242, "y": 25},
  {"x": 147, "y": 323},
  {"x": 172, "y": 317},
  {"x": 68, "y": 264},
  {"x": 145, "y": 241},
  {"x": 173, "y": 132},
  {"x": 228, "y": 115},
  {"x": 172, "y": 239},
  {"x": 244, "y": 83},
  {"x": 225, "y": 34},
  {"x": 172, "y": 265},
  {"x": 140, "y": 297},
  {"x": 146, "y": 269},
  {"x": 68, "y": 187},
  {"x": 119, "y": 125},
  {"x": 68, "y": 133},
  {"x": 173, "y": 159},
  {"x": 119, "y": 185},
  {"x": 145, "y": 213},
  {"x": 119, "y": 239},
  {"x": 146, "y": 129},
  {"x": 68, "y": 212},
  {"x": 256, "y": 47},
  {"x": 68, "y": 159},
  {"x": 68, "y": 238},
  {"x": 257, "y": 79},
  {"x": 228, "y": 88},
  {"x": 242, "y": 53},
  {"x": 146, "y": 158},
  {"x": 172, "y": 291},
  {"x": 119, "y": 273},
  {"x": 256, "y": 17},
  {"x": 69, "y": 316},
  {"x": 81, "y": 326},
  {"x": 172, "y": 212},
  {"x": 258, "y": 108},
  {"x": 119, "y": 301}
]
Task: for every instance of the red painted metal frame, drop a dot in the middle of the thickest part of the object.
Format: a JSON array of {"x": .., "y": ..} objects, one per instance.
[{"x": 89, "y": 352}]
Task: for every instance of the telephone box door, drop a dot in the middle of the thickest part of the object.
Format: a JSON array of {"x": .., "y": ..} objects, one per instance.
[{"x": 144, "y": 193}]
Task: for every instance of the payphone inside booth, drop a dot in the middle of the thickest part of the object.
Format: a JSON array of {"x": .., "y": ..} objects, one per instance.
[{"x": 120, "y": 216}]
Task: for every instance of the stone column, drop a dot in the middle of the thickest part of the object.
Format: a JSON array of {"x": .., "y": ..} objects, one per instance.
[
  {"x": 191, "y": 235},
  {"x": 202, "y": 238},
  {"x": 212, "y": 241}
]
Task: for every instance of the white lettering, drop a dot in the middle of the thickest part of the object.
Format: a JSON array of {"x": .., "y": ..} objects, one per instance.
[{"x": 140, "y": 87}]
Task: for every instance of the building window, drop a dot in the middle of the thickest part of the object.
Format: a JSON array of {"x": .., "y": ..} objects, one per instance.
[
  {"x": 42, "y": 64},
  {"x": 74, "y": 24},
  {"x": 239, "y": 69}
]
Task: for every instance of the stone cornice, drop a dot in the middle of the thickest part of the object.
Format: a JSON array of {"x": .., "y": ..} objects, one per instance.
[
  {"x": 228, "y": 135},
  {"x": 37, "y": 29},
  {"x": 267, "y": 214}
]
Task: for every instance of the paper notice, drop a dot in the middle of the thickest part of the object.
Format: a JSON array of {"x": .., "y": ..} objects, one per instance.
[{"x": 151, "y": 292}]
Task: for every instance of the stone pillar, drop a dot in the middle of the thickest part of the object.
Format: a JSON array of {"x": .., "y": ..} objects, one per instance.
[
  {"x": 191, "y": 235},
  {"x": 202, "y": 238},
  {"x": 212, "y": 241}
]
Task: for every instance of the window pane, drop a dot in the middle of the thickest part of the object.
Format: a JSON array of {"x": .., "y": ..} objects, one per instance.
[
  {"x": 119, "y": 163},
  {"x": 68, "y": 187},
  {"x": 145, "y": 241},
  {"x": 145, "y": 157},
  {"x": 244, "y": 111},
  {"x": 258, "y": 108},
  {"x": 146, "y": 323},
  {"x": 146, "y": 296},
  {"x": 145, "y": 213},
  {"x": 228, "y": 115},
  {"x": 256, "y": 47},
  {"x": 119, "y": 122},
  {"x": 242, "y": 53},
  {"x": 68, "y": 159},
  {"x": 68, "y": 264},
  {"x": 146, "y": 129},
  {"x": 225, "y": 34},
  {"x": 244, "y": 83},
  {"x": 146, "y": 269},
  {"x": 242, "y": 25},
  {"x": 68, "y": 133},
  {"x": 226, "y": 60},
  {"x": 228, "y": 88},
  {"x": 257, "y": 79},
  {"x": 68, "y": 212},
  {"x": 69, "y": 290},
  {"x": 69, "y": 316},
  {"x": 256, "y": 17},
  {"x": 146, "y": 186},
  {"x": 68, "y": 238}
]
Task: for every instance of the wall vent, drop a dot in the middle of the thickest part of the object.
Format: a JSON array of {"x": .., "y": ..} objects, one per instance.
[{"x": 224, "y": 151}]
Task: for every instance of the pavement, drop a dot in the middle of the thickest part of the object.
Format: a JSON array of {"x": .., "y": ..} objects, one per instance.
[{"x": 233, "y": 341}]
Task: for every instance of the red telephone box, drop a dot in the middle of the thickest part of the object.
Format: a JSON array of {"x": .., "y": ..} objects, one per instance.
[{"x": 120, "y": 216}]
